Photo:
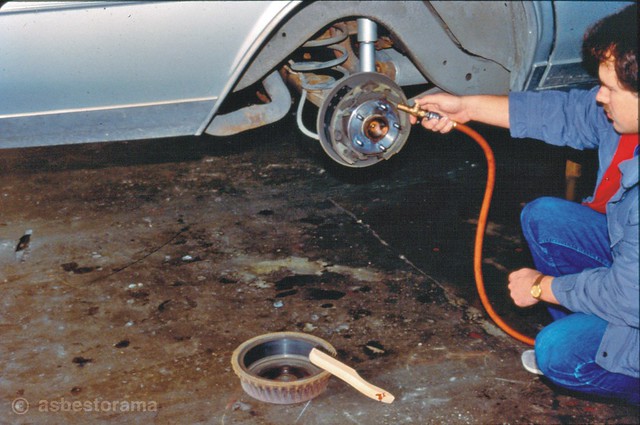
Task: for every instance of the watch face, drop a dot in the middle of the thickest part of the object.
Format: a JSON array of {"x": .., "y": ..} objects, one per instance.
[{"x": 536, "y": 291}]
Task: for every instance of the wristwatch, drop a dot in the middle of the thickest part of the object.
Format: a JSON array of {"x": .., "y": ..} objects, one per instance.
[{"x": 536, "y": 289}]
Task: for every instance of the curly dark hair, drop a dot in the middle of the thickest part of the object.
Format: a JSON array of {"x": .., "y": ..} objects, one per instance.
[{"x": 614, "y": 36}]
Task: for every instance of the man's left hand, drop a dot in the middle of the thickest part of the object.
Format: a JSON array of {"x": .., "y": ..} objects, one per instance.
[{"x": 520, "y": 283}]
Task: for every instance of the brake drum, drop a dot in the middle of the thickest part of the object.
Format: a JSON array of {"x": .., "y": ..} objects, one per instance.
[{"x": 275, "y": 367}]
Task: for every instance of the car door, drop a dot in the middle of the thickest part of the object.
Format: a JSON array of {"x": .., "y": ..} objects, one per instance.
[{"x": 89, "y": 71}]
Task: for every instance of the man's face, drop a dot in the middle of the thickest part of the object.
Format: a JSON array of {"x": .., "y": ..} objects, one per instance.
[{"x": 620, "y": 104}]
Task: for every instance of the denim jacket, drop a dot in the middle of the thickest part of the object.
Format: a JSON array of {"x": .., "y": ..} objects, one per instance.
[{"x": 575, "y": 119}]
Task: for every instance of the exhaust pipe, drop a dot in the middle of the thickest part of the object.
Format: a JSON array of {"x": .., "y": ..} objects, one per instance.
[{"x": 255, "y": 116}]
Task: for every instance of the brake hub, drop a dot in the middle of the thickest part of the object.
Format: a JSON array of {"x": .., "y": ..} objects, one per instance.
[{"x": 359, "y": 124}]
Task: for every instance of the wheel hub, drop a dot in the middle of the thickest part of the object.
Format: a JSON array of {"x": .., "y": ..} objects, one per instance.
[{"x": 359, "y": 124}]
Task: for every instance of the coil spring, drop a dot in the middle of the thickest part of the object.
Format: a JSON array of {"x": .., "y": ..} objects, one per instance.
[
  {"x": 315, "y": 66},
  {"x": 301, "y": 68}
]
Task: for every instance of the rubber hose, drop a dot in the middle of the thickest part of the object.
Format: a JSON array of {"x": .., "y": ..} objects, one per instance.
[{"x": 480, "y": 230}]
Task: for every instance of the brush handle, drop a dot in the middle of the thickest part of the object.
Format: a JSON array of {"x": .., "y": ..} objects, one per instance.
[{"x": 349, "y": 375}]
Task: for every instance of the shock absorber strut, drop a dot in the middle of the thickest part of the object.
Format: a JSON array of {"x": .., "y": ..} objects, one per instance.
[{"x": 367, "y": 36}]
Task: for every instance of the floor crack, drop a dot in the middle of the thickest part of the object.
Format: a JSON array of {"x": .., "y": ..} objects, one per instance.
[{"x": 379, "y": 238}]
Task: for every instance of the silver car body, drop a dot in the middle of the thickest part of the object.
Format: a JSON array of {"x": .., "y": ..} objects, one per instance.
[{"x": 76, "y": 72}]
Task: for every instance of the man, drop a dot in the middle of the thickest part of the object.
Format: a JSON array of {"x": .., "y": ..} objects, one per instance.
[{"x": 586, "y": 255}]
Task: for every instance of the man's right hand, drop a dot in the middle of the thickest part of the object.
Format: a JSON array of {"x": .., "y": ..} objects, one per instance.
[
  {"x": 448, "y": 106},
  {"x": 487, "y": 109}
]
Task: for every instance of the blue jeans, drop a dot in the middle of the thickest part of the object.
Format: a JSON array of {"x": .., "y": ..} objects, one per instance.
[{"x": 565, "y": 238}]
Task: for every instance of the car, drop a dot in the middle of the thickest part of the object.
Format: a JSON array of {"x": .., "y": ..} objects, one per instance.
[{"x": 98, "y": 71}]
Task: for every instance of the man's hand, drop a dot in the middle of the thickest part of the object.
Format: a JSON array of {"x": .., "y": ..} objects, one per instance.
[
  {"x": 448, "y": 106},
  {"x": 487, "y": 109},
  {"x": 520, "y": 283}
]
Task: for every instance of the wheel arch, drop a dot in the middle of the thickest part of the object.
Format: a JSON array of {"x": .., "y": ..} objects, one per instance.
[{"x": 435, "y": 36}]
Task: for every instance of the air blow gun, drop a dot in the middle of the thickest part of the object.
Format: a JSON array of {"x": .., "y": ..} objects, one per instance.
[{"x": 419, "y": 113}]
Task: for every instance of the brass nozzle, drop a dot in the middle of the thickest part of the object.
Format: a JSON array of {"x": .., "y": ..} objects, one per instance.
[
  {"x": 419, "y": 113},
  {"x": 415, "y": 110}
]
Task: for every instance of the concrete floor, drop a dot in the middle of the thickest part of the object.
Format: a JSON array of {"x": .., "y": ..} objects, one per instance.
[{"x": 148, "y": 265}]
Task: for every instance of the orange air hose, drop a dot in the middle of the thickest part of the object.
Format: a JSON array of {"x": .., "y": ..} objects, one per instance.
[{"x": 480, "y": 230}]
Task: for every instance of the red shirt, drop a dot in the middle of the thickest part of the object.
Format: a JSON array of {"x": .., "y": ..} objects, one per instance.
[{"x": 610, "y": 182}]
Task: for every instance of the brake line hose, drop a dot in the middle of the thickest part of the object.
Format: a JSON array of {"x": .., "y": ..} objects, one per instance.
[{"x": 482, "y": 218}]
